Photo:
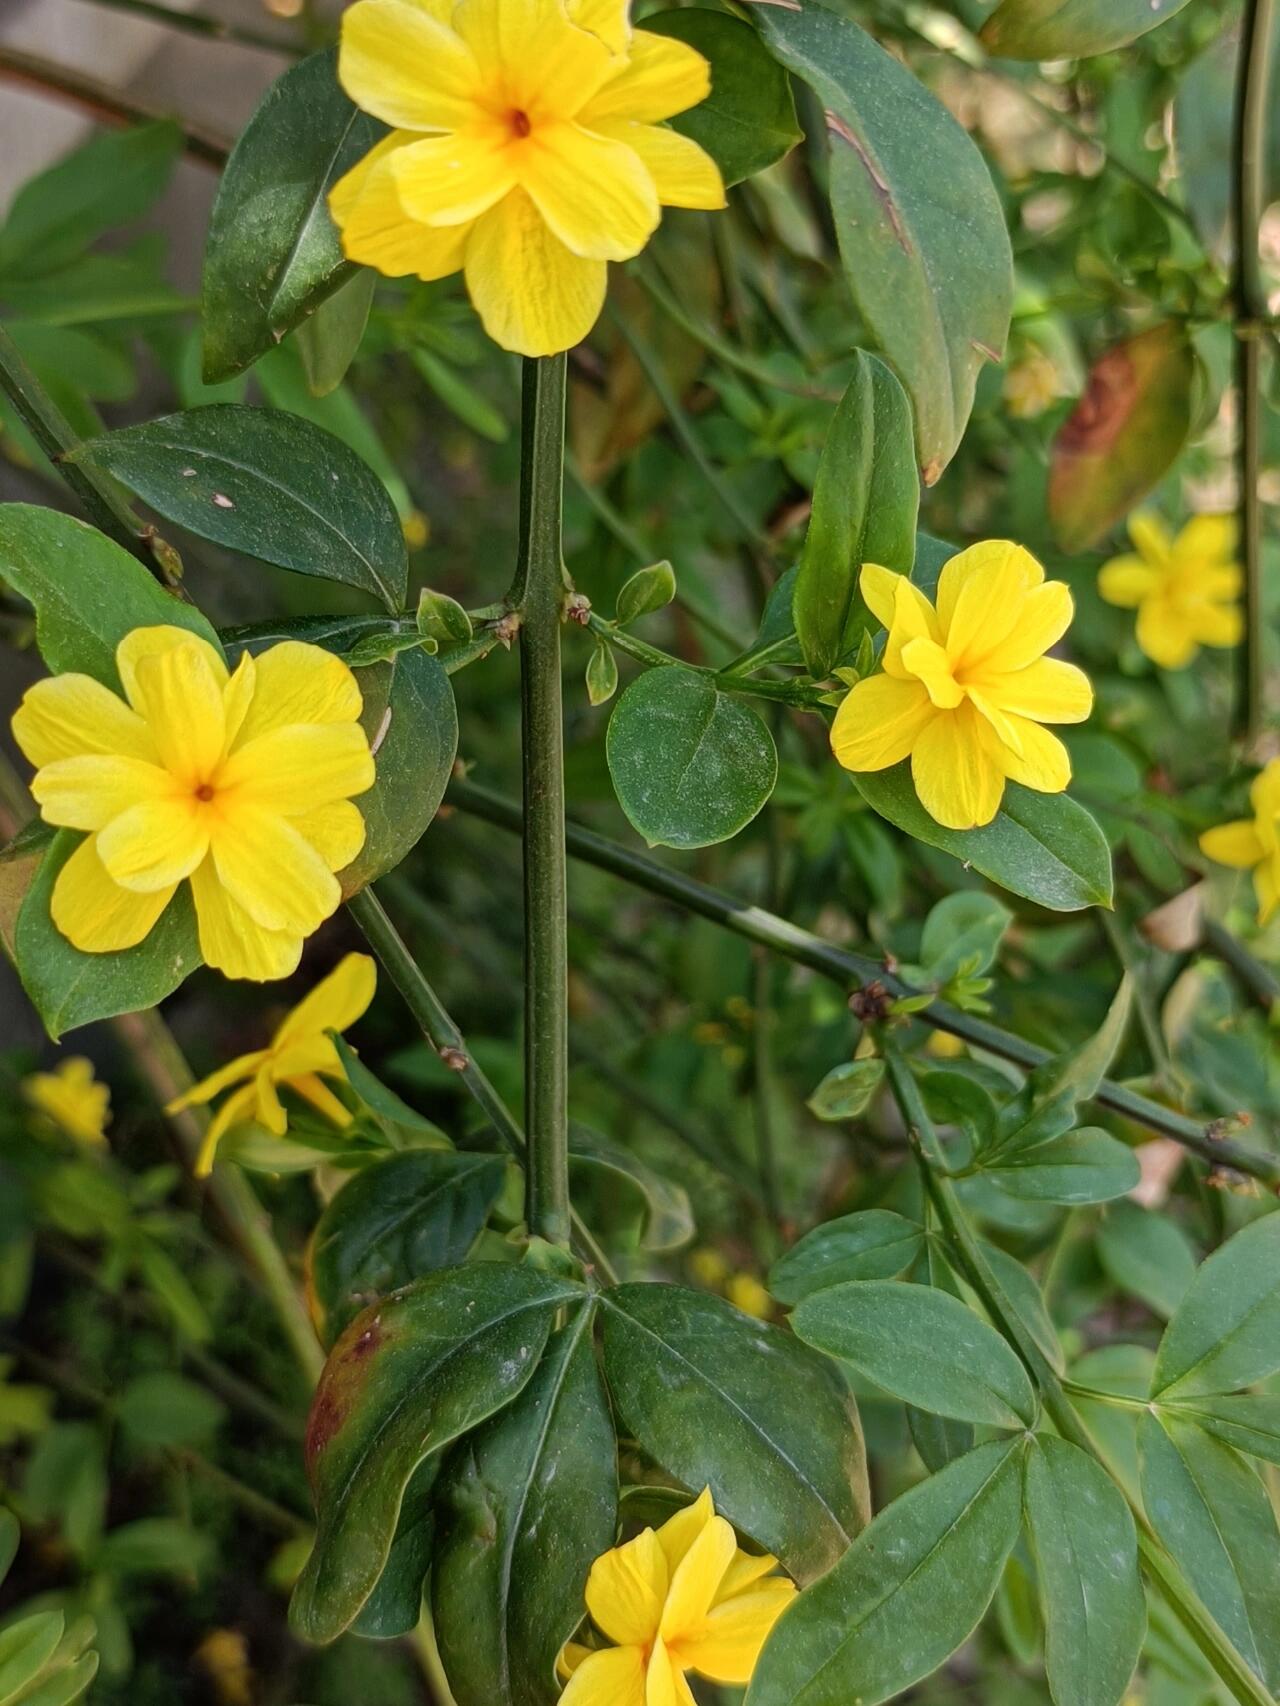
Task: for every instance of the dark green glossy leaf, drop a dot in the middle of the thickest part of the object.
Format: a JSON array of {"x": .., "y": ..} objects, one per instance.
[
  {"x": 932, "y": 275},
  {"x": 1248, "y": 1421},
  {"x": 268, "y": 484},
  {"x": 1086, "y": 1547},
  {"x": 724, "y": 1401},
  {"x": 1216, "y": 1517},
  {"x": 924, "y": 1347},
  {"x": 527, "y": 1505},
  {"x": 273, "y": 253},
  {"x": 911, "y": 1588},
  {"x": 1083, "y": 1166},
  {"x": 865, "y": 503},
  {"x": 413, "y": 1373},
  {"x": 395, "y": 1221},
  {"x": 1070, "y": 29},
  {"x": 691, "y": 765},
  {"x": 1042, "y": 846},
  {"x": 1226, "y": 1333},
  {"x": 1147, "y": 1256},
  {"x": 394, "y": 1608},
  {"x": 749, "y": 119},
  {"x": 871, "y": 1245},
  {"x": 662, "y": 1207}
]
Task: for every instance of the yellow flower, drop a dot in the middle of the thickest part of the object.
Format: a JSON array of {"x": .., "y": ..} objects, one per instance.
[
  {"x": 745, "y": 1292},
  {"x": 1031, "y": 385},
  {"x": 1184, "y": 589},
  {"x": 709, "y": 1267},
  {"x": 526, "y": 150},
  {"x": 300, "y": 1056},
  {"x": 1254, "y": 843},
  {"x": 685, "y": 1598},
  {"x": 966, "y": 687},
  {"x": 72, "y": 1099},
  {"x": 239, "y": 784}
]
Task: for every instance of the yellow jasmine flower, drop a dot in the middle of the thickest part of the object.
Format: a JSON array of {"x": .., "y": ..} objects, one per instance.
[
  {"x": 1184, "y": 589},
  {"x": 1254, "y": 843},
  {"x": 745, "y": 1292},
  {"x": 72, "y": 1098},
  {"x": 527, "y": 150},
  {"x": 1031, "y": 385},
  {"x": 966, "y": 686},
  {"x": 683, "y": 1598},
  {"x": 299, "y": 1057},
  {"x": 239, "y": 784},
  {"x": 709, "y": 1267}
]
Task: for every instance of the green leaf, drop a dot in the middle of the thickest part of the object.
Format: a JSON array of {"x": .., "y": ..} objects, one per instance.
[
  {"x": 663, "y": 1208},
  {"x": 394, "y": 1608},
  {"x": 871, "y": 1245},
  {"x": 10, "y": 1534},
  {"x": 1044, "y": 847},
  {"x": 1215, "y": 1516},
  {"x": 749, "y": 119},
  {"x": 68, "y": 988},
  {"x": 909, "y": 1591},
  {"x": 648, "y": 589},
  {"x": 1076, "y": 1075},
  {"x": 962, "y": 927},
  {"x": 1070, "y": 29},
  {"x": 602, "y": 674},
  {"x": 66, "y": 1686},
  {"x": 25, "y": 1649},
  {"x": 931, "y": 275},
  {"x": 924, "y": 1347},
  {"x": 1023, "y": 1298},
  {"x": 937, "y": 1439},
  {"x": 1083, "y": 1166},
  {"x": 1123, "y": 435},
  {"x": 847, "y": 1090},
  {"x": 865, "y": 503},
  {"x": 1086, "y": 1548},
  {"x": 88, "y": 592},
  {"x": 724, "y": 1401},
  {"x": 418, "y": 1370},
  {"x": 329, "y": 340},
  {"x": 528, "y": 1504},
  {"x": 396, "y": 1221},
  {"x": 1226, "y": 1333},
  {"x": 690, "y": 765},
  {"x": 1245, "y": 1420},
  {"x": 273, "y": 253},
  {"x": 268, "y": 484},
  {"x": 163, "y": 1409},
  {"x": 381, "y": 1101},
  {"x": 1147, "y": 1256}
]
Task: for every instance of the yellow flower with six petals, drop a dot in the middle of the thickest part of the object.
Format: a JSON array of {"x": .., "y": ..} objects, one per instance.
[
  {"x": 682, "y": 1598},
  {"x": 1185, "y": 590},
  {"x": 299, "y": 1057},
  {"x": 1253, "y": 844},
  {"x": 73, "y": 1099},
  {"x": 527, "y": 150},
  {"x": 966, "y": 687},
  {"x": 239, "y": 783}
]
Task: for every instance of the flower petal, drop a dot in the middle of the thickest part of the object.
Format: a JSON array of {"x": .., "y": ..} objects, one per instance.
[
  {"x": 336, "y": 831},
  {"x": 662, "y": 77},
  {"x": 627, "y": 1588},
  {"x": 158, "y": 641},
  {"x": 664, "y": 1683},
  {"x": 312, "y": 1088},
  {"x": 269, "y": 870},
  {"x": 293, "y": 770},
  {"x": 1036, "y": 758},
  {"x": 896, "y": 602},
  {"x": 612, "y": 1677},
  {"x": 65, "y": 716},
  {"x": 237, "y": 698},
  {"x": 683, "y": 174},
  {"x": 992, "y": 563},
  {"x": 156, "y": 844},
  {"x": 680, "y": 1531},
  {"x": 608, "y": 19},
  {"x": 1043, "y": 617},
  {"x": 236, "y": 1110},
  {"x": 1151, "y": 538},
  {"x": 1165, "y": 635},
  {"x": 728, "y": 1645},
  {"x": 335, "y": 1003},
  {"x": 1207, "y": 539},
  {"x": 376, "y": 230},
  {"x": 1266, "y": 885},
  {"x": 268, "y": 1108},
  {"x": 1237, "y": 844},
  {"x": 179, "y": 693},
  {"x": 929, "y": 663},
  {"x": 1126, "y": 581},
  {"x": 96, "y": 915},
  {"x": 959, "y": 783},
  {"x": 86, "y": 793},
  {"x": 1048, "y": 690},
  {"x": 879, "y": 722},
  {"x": 453, "y": 179},
  {"x": 1219, "y": 625},
  {"x": 534, "y": 296},
  {"x": 697, "y": 1579},
  {"x": 231, "y": 941},
  {"x": 244, "y": 1066},
  {"x": 298, "y": 683},
  {"x": 546, "y": 66},
  {"x": 407, "y": 68},
  {"x": 594, "y": 193},
  {"x": 985, "y": 599}
]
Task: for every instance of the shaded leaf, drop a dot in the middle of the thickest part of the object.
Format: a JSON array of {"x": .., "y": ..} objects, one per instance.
[
  {"x": 329, "y": 340},
  {"x": 1083, "y": 1166},
  {"x": 871, "y": 1245},
  {"x": 1226, "y": 1332},
  {"x": 394, "y": 1608},
  {"x": 1070, "y": 29},
  {"x": 847, "y": 1090},
  {"x": 1245, "y": 1420},
  {"x": 1147, "y": 1256},
  {"x": 665, "y": 1213}
]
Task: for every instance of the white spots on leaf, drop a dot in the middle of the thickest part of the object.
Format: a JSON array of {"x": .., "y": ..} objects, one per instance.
[{"x": 223, "y": 501}]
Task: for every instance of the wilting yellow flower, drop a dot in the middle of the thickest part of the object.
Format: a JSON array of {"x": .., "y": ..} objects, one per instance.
[
  {"x": 1031, "y": 385},
  {"x": 527, "y": 151},
  {"x": 300, "y": 1057},
  {"x": 745, "y": 1292},
  {"x": 72, "y": 1098},
  {"x": 1184, "y": 589},
  {"x": 240, "y": 784},
  {"x": 1254, "y": 843},
  {"x": 683, "y": 1598},
  {"x": 966, "y": 687}
]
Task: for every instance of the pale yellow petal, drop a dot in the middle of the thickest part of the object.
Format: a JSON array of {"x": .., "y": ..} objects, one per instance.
[
  {"x": 929, "y": 663},
  {"x": 958, "y": 781},
  {"x": 406, "y": 67},
  {"x": 727, "y": 1647},
  {"x": 271, "y": 872},
  {"x": 1151, "y": 538},
  {"x": 294, "y": 770},
  {"x": 336, "y": 831},
  {"x": 180, "y": 695},
  {"x": 243, "y": 1066},
  {"x": 156, "y": 844},
  {"x": 626, "y": 1590},
  {"x": 595, "y": 194},
  {"x": 1165, "y": 635},
  {"x": 67, "y": 716},
  {"x": 298, "y": 683},
  {"x": 1048, "y": 690},
  {"x": 683, "y": 174},
  {"x": 335, "y": 1003},
  {"x": 1126, "y": 581},
  {"x": 376, "y": 230},
  {"x": 680, "y": 1531},
  {"x": 534, "y": 296},
  {"x": 231, "y": 941},
  {"x": 1237, "y": 844},
  {"x": 986, "y": 577},
  {"x": 879, "y": 722},
  {"x": 453, "y": 179},
  {"x": 157, "y": 641},
  {"x": 96, "y": 915},
  {"x": 662, "y": 77},
  {"x": 697, "y": 1580},
  {"x": 86, "y": 793},
  {"x": 612, "y": 1677},
  {"x": 1208, "y": 539},
  {"x": 1037, "y": 758},
  {"x": 236, "y": 1110}
]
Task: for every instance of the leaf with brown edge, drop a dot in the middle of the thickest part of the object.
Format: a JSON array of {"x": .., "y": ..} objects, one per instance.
[
  {"x": 409, "y": 1376},
  {"x": 1123, "y": 435}
]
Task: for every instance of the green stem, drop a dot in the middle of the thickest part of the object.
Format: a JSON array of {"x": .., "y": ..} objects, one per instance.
[
  {"x": 1205, "y": 1631},
  {"x": 845, "y": 968},
  {"x": 537, "y": 594},
  {"x": 796, "y": 693},
  {"x": 1255, "y": 979}
]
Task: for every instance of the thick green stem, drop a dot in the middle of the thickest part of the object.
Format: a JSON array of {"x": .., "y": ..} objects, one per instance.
[
  {"x": 846, "y": 968},
  {"x": 538, "y": 596}
]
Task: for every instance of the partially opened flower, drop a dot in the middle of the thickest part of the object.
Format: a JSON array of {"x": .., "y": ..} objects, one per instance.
[
  {"x": 239, "y": 784},
  {"x": 73, "y": 1099},
  {"x": 966, "y": 687},
  {"x": 1253, "y": 844},
  {"x": 528, "y": 151},
  {"x": 1185, "y": 590},
  {"x": 299, "y": 1057},
  {"x": 682, "y": 1598}
]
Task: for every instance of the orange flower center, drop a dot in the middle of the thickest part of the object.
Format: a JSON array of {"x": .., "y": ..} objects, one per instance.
[{"x": 520, "y": 122}]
